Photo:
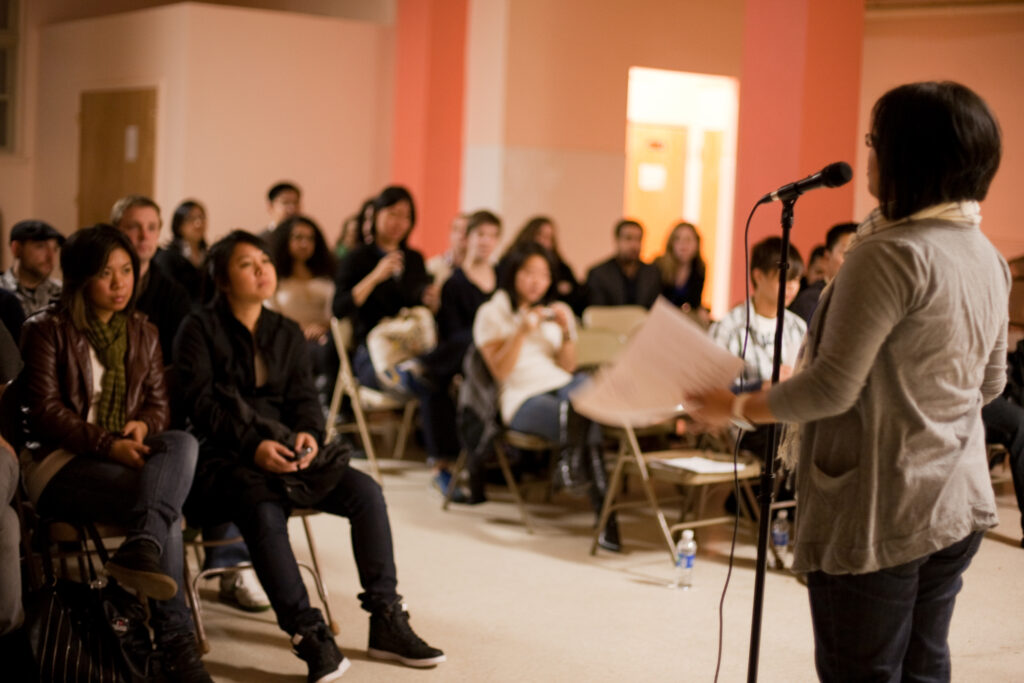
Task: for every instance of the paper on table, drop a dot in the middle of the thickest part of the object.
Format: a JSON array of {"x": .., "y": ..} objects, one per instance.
[
  {"x": 669, "y": 357},
  {"x": 699, "y": 464}
]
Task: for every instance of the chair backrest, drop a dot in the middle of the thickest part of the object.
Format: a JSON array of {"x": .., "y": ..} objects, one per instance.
[
  {"x": 623, "y": 320},
  {"x": 597, "y": 347}
]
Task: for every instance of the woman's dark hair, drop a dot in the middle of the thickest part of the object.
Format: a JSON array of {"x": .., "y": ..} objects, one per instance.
[
  {"x": 482, "y": 217},
  {"x": 528, "y": 234},
  {"x": 935, "y": 143},
  {"x": 390, "y": 196},
  {"x": 181, "y": 215},
  {"x": 83, "y": 257},
  {"x": 668, "y": 264},
  {"x": 320, "y": 264},
  {"x": 218, "y": 258},
  {"x": 515, "y": 258}
]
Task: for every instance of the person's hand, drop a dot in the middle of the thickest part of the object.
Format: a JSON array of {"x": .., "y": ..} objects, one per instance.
[
  {"x": 712, "y": 408},
  {"x": 529, "y": 319},
  {"x": 314, "y": 331},
  {"x": 432, "y": 297},
  {"x": 561, "y": 314},
  {"x": 136, "y": 431},
  {"x": 129, "y": 453},
  {"x": 274, "y": 456},
  {"x": 305, "y": 440},
  {"x": 392, "y": 262},
  {"x": 785, "y": 372}
]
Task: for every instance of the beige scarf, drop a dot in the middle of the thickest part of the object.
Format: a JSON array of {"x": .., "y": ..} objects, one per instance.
[{"x": 955, "y": 212}]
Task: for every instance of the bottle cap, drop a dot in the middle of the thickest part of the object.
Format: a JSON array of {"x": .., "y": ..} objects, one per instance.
[
  {"x": 687, "y": 534},
  {"x": 783, "y": 514}
]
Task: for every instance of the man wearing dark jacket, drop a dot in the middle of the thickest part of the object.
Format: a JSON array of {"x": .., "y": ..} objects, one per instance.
[{"x": 624, "y": 279}]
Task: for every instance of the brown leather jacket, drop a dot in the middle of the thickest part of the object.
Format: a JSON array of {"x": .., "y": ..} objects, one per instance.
[{"x": 58, "y": 384}]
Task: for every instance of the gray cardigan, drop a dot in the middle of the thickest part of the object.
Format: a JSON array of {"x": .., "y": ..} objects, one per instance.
[{"x": 906, "y": 350}]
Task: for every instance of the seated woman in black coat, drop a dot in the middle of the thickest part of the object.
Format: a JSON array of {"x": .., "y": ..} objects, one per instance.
[{"x": 246, "y": 376}]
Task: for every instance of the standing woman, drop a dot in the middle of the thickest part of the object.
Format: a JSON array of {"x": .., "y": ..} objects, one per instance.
[
  {"x": 682, "y": 268},
  {"x": 182, "y": 259},
  {"x": 529, "y": 346},
  {"x": 564, "y": 286},
  {"x": 97, "y": 411},
  {"x": 376, "y": 281},
  {"x": 906, "y": 346}
]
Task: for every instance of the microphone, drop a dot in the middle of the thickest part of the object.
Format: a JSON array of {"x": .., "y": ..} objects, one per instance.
[{"x": 832, "y": 175}]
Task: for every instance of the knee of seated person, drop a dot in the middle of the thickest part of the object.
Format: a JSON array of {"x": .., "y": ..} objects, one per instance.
[{"x": 181, "y": 444}]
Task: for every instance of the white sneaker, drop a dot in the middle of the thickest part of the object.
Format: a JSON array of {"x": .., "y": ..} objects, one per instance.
[{"x": 243, "y": 590}]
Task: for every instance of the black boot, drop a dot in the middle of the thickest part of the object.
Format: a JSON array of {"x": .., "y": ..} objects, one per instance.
[
  {"x": 136, "y": 566},
  {"x": 571, "y": 468},
  {"x": 392, "y": 638},
  {"x": 475, "y": 474},
  {"x": 609, "y": 538}
]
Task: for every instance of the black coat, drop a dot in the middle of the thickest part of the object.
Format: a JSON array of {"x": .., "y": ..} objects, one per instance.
[{"x": 607, "y": 285}]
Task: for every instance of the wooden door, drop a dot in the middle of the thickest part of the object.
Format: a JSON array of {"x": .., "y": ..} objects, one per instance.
[
  {"x": 655, "y": 175},
  {"x": 118, "y": 150}
]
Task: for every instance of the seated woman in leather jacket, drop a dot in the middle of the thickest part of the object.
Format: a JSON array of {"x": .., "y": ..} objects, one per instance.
[
  {"x": 245, "y": 374},
  {"x": 97, "y": 410},
  {"x": 529, "y": 345}
]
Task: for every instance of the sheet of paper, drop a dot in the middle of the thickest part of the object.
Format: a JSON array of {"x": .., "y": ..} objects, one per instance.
[
  {"x": 700, "y": 465},
  {"x": 668, "y": 358}
]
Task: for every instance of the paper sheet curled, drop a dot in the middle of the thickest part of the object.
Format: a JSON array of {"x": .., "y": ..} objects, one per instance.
[{"x": 668, "y": 358}]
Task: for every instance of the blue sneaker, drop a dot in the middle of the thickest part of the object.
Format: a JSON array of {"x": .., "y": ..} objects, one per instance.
[{"x": 442, "y": 481}]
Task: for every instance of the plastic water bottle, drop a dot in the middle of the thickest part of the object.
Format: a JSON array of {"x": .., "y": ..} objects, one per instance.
[
  {"x": 686, "y": 551},
  {"x": 780, "y": 532}
]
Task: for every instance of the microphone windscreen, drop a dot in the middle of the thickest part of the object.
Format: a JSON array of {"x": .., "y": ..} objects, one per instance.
[{"x": 836, "y": 174}]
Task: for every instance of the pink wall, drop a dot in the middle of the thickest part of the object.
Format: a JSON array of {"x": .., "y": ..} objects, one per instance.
[
  {"x": 981, "y": 48},
  {"x": 429, "y": 92},
  {"x": 798, "y": 113}
]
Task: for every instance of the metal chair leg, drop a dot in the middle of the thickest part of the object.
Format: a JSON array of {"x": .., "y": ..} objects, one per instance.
[
  {"x": 460, "y": 464},
  {"x": 499, "y": 450}
]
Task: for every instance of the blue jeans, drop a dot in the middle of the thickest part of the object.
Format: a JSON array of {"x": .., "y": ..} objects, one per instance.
[
  {"x": 147, "y": 502},
  {"x": 220, "y": 556},
  {"x": 265, "y": 529},
  {"x": 541, "y": 415},
  {"x": 889, "y": 625},
  {"x": 1004, "y": 424}
]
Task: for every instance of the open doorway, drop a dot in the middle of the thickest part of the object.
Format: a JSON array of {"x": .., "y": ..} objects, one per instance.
[{"x": 680, "y": 165}]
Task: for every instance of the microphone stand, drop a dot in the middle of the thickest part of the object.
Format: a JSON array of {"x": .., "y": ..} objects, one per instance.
[{"x": 771, "y": 450}]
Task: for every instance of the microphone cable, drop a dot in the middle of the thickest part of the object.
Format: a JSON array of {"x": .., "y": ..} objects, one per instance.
[{"x": 736, "y": 446}]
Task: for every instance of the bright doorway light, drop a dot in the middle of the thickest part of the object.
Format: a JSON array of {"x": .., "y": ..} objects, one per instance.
[{"x": 681, "y": 165}]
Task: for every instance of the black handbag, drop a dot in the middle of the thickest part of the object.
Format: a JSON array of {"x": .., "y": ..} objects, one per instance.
[
  {"x": 307, "y": 487},
  {"x": 88, "y": 632}
]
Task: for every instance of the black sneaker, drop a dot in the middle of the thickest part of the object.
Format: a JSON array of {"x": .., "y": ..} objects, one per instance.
[
  {"x": 317, "y": 648},
  {"x": 181, "y": 662},
  {"x": 136, "y": 566},
  {"x": 392, "y": 638}
]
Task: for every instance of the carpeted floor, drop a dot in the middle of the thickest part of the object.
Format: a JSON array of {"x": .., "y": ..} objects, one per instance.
[{"x": 508, "y": 606}]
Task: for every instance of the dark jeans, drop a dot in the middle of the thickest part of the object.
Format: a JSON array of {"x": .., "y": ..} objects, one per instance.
[
  {"x": 541, "y": 414},
  {"x": 147, "y": 501},
  {"x": 265, "y": 529},
  {"x": 220, "y": 556},
  {"x": 889, "y": 625},
  {"x": 437, "y": 409},
  {"x": 1004, "y": 424}
]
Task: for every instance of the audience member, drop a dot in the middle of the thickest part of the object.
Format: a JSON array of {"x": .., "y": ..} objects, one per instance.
[
  {"x": 349, "y": 237},
  {"x": 624, "y": 279},
  {"x": 166, "y": 303},
  {"x": 366, "y": 221},
  {"x": 375, "y": 282},
  {"x": 182, "y": 258},
  {"x": 441, "y": 266},
  {"x": 1004, "y": 422},
  {"x": 529, "y": 346},
  {"x": 97, "y": 411},
  {"x": 11, "y": 313},
  {"x": 731, "y": 331},
  {"x": 163, "y": 300},
  {"x": 815, "y": 267},
  {"x": 564, "y": 286},
  {"x": 682, "y": 268},
  {"x": 836, "y": 241},
  {"x": 247, "y": 379},
  {"x": 34, "y": 246},
  {"x": 284, "y": 200}
]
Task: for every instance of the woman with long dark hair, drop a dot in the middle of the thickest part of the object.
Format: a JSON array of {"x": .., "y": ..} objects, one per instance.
[
  {"x": 528, "y": 343},
  {"x": 907, "y": 344},
  {"x": 97, "y": 415},
  {"x": 182, "y": 258},
  {"x": 305, "y": 269},
  {"x": 564, "y": 286},
  {"x": 246, "y": 376}
]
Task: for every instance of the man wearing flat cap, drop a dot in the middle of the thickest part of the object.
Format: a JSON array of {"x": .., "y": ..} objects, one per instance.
[{"x": 34, "y": 245}]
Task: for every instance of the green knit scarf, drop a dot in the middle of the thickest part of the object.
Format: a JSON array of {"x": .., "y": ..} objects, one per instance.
[{"x": 110, "y": 341}]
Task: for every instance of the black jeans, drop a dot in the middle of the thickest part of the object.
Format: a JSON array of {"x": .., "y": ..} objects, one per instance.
[
  {"x": 265, "y": 530},
  {"x": 889, "y": 625},
  {"x": 1004, "y": 424}
]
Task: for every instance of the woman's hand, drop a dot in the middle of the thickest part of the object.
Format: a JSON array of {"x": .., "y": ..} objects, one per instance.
[
  {"x": 136, "y": 431},
  {"x": 274, "y": 456},
  {"x": 529, "y": 319},
  {"x": 305, "y": 440},
  {"x": 562, "y": 315},
  {"x": 712, "y": 408},
  {"x": 129, "y": 453},
  {"x": 432, "y": 297},
  {"x": 392, "y": 262}
]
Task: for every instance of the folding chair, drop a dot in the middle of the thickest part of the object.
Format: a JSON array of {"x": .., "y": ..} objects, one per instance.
[
  {"x": 191, "y": 581},
  {"x": 364, "y": 400},
  {"x": 622, "y": 320}
]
